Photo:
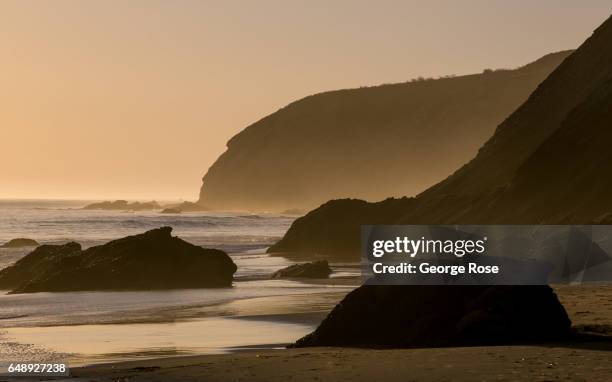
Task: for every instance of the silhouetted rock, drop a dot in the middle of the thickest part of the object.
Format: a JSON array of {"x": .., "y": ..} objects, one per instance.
[
  {"x": 171, "y": 211},
  {"x": 315, "y": 270},
  {"x": 334, "y": 228},
  {"x": 123, "y": 205},
  {"x": 293, "y": 211},
  {"x": 152, "y": 260},
  {"x": 426, "y": 316},
  {"x": 191, "y": 207},
  {"x": 184, "y": 207},
  {"x": 370, "y": 143},
  {"x": 38, "y": 263},
  {"x": 20, "y": 242}
]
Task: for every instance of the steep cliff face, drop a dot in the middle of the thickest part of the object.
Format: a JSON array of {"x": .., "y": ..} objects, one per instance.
[
  {"x": 572, "y": 168},
  {"x": 369, "y": 143},
  {"x": 532, "y": 123},
  {"x": 549, "y": 162}
]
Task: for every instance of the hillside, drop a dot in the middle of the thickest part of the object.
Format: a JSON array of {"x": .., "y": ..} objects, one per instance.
[
  {"x": 576, "y": 164},
  {"x": 549, "y": 162},
  {"x": 368, "y": 143}
]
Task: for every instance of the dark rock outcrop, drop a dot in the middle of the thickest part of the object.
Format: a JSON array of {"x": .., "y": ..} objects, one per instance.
[
  {"x": 20, "y": 242},
  {"x": 369, "y": 143},
  {"x": 123, "y": 205},
  {"x": 191, "y": 207},
  {"x": 315, "y": 270},
  {"x": 152, "y": 260},
  {"x": 333, "y": 229},
  {"x": 184, "y": 207},
  {"x": 293, "y": 211},
  {"x": 428, "y": 316},
  {"x": 36, "y": 264}
]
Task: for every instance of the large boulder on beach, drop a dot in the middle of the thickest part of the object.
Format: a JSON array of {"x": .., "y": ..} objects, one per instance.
[
  {"x": 432, "y": 315},
  {"x": 152, "y": 260},
  {"x": 38, "y": 263},
  {"x": 315, "y": 270},
  {"x": 20, "y": 242}
]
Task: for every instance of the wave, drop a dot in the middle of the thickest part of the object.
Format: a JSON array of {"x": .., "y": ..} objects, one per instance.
[{"x": 231, "y": 232}]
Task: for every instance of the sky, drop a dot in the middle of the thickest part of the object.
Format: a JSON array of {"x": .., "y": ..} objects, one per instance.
[{"x": 136, "y": 99}]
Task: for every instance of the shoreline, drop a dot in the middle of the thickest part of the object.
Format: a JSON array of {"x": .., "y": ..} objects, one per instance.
[
  {"x": 277, "y": 308},
  {"x": 235, "y": 326},
  {"x": 587, "y": 305},
  {"x": 107, "y": 344},
  {"x": 583, "y": 358}
]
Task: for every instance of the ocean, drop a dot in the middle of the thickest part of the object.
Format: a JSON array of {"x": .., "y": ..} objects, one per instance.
[{"x": 93, "y": 327}]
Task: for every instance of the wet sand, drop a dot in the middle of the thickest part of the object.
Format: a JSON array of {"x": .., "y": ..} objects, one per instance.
[
  {"x": 503, "y": 363},
  {"x": 263, "y": 322},
  {"x": 589, "y": 306}
]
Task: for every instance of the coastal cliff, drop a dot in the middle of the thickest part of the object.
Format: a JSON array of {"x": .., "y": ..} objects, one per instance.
[
  {"x": 368, "y": 143},
  {"x": 547, "y": 163}
]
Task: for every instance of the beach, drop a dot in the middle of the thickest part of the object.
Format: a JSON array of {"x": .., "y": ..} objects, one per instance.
[
  {"x": 584, "y": 362},
  {"x": 240, "y": 333},
  {"x": 90, "y": 327},
  {"x": 283, "y": 192},
  {"x": 269, "y": 322},
  {"x": 585, "y": 359}
]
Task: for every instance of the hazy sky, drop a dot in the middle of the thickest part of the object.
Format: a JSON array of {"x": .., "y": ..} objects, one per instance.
[{"x": 136, "y": 99}]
